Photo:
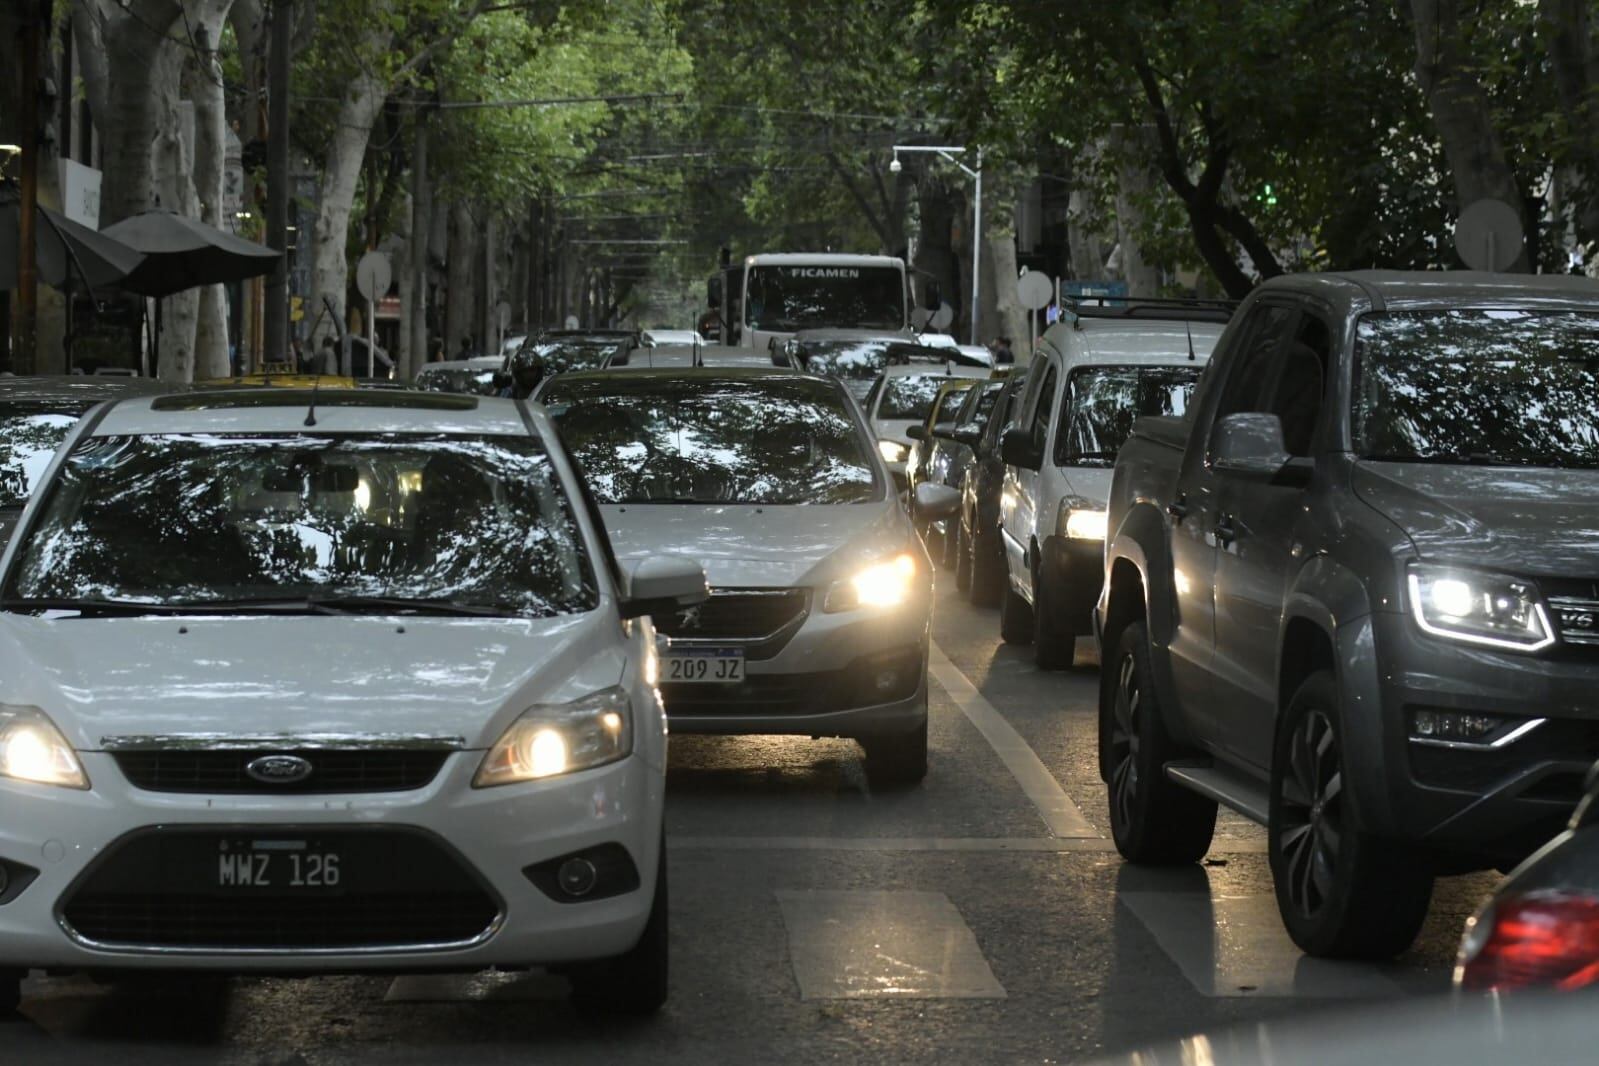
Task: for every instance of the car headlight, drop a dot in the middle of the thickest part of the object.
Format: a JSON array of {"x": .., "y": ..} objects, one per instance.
[
  {"x": 1479, "y": 608},
  {"x": 550, "y": 739},
  {"x": 892, "y": 451},
  {"x": 1078, "y": 522},
  {"x": 33, "y": 749},
  {"x": 885, "y": 584}
]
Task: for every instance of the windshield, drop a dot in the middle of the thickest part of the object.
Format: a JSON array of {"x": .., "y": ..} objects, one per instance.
[
  {"x": 909, "y": 396},
  {"x": 563, "y": 357},
  {"x": 789, "y": 298},
  {"x": 28, "y": 440},
  {"x": 201, "y": 519},
  {"x": 457, "y": 379},
  {"x": 1102, "y": 402},
  {"x": 687, "y": 441},
  {"x": 1511, "y": 387},
  {"x": 847, "y": 360}
]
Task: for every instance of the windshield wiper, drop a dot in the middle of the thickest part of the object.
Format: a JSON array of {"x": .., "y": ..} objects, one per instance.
[
  {"x": 1468, "y": 459},
  {"x": 403, "y": 605},
  {"x": 90, "y": 608},
  {"x": 290, "y": 605}
]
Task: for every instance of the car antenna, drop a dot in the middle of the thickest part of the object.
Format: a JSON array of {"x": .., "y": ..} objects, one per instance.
[
  {"x": 1188, "y": 327},
  {"x": 310, "y": 412}
]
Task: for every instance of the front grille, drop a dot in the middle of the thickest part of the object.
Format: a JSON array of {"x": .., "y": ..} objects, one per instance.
[
  {"x": 780, "y": 695},
  {"x": 762, "y": 620},
  {"x": 162, "y": 889},
  {"x": 1576, "y": 619},
  {"x": 332, "y": 771}
]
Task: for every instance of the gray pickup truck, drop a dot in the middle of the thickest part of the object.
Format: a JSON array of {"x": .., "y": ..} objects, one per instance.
[{"x": 1354, "y": 593}]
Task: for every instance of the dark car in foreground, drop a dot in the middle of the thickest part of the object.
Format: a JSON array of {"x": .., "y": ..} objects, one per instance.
[
  {"x": 36, "y": 414},
  {"x": 1354, "y": 593}
]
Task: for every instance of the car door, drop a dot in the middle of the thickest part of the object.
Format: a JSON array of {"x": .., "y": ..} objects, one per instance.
[
  {"x": 1019, "y": 499},
  {"x": 1259, "y": 553},
  {"x": 1195, "y": 510}
]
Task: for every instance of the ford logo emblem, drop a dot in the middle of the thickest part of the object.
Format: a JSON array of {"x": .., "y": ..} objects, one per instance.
[{"x": 279, "y": 769}]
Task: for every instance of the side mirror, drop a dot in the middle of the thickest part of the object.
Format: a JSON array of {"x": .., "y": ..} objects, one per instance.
[
  {"x": 944, "y": 430},
  {"x": 661, "y": 584},
  {"x": 917, "y": 432},
  {"x": 1249, "y": 444},
  {"x": 934, "y": 503},
  {"x": 1016, "y": 448},
  {"x": 968, "y": 433},
  {"x": 503, "y": 379}
]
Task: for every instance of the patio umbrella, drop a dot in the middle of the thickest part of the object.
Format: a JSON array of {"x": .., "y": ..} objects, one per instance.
[
  {"x": 184, "y": 253},
  {"x": 68, "y": 254}
]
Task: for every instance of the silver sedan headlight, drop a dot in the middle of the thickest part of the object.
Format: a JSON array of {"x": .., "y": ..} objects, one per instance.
[
  {"x": 888, "y": 583},
  {"x": 550, "y": 739},
  {"x": 33, "y": 749},
  {"x": 1478, "y": 608}
]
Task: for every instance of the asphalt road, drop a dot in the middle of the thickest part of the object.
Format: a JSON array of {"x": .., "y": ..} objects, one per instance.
[{"x": 981, "y": 917}]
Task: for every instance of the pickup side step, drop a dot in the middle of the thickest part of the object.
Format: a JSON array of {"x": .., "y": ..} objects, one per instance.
[{"x": 1225, "y": 785}]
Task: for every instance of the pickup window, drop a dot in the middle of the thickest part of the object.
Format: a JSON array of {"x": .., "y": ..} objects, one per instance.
[
  {"x": 1513, "y": 388},
  {"x": 1282, "y": 371},
  {"x": 1101, "y": 403}
]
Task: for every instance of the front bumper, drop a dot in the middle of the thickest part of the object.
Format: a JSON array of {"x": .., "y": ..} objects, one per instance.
[
  {"x": 493, "y": 833},
  {"x": 825, "y": 681},
  {"x": 1491, "y": 804}
]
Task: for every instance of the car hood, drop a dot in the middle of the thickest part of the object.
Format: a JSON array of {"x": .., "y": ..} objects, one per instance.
[
  {"x": 1531, "y": 521},
  {"x": 1091, "y": 483},
  {"x": 253, "y": 675},
  {"x": 743, "y": 546}
]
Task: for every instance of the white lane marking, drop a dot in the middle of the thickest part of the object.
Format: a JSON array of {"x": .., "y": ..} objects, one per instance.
[
  {"x": 861, "y": 944},
  {"x": 1058, "y": 845},
  {"x": 1060, "y": 814},
  {"x": 1235, "y": 946}
]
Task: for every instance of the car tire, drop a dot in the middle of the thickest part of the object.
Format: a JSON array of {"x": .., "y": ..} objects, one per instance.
[
  {"x": 988, "y": 570},
  {"x": 1342, "y": 892},
  {"x": 1015, "y": 618},
  {"x": 11, "y": 991},
  {"x": 1153, "y": 821},
  {"x": 897, "y": 758},
  {"x": 1052, "y": 649},
  {"x": 636, "y": 982},
  {"x": 963, "y": 559}
]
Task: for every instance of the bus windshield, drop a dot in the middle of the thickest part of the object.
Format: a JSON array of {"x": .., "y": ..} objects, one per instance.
[{"x": 788, "y": 298}]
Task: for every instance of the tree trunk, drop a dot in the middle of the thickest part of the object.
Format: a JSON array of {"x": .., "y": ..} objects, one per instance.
[
  {"x": 1002, "y": 314},
  {"x": 204, "y": 84},
  {"x": 1135, "y": 187},
  {"x": 1574, "y": 57},
  {"x": 174, "y": 186},
  {"x": 140, "y": 69},
  {"x": 248, "y": 19},
  {"x": 1461, "y": 110},
  {"x": 460, "y": 297},
  {"x": 330, "y": 268}
]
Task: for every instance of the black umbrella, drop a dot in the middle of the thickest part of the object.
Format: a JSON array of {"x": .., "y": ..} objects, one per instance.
[
  {"x": 69, "y": 255},
  {"x": 184, "y": 253}
]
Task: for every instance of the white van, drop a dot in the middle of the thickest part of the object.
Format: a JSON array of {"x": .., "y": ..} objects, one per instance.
[{"x": 1096, "y": 370}]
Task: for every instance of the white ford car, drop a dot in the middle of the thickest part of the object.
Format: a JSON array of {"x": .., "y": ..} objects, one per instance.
[
  {"x": 328, "y": 682},
  {"x": 820, "y": 590}
]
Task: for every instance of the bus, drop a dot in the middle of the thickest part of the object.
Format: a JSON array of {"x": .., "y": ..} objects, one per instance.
[{"x": 775, "y": 295}]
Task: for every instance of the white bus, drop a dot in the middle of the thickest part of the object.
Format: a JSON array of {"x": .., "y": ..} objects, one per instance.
[{"x": 775, "y": 295}]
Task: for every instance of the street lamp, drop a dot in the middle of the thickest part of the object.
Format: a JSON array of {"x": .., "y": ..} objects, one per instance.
[{"x": 949, "y": 152}]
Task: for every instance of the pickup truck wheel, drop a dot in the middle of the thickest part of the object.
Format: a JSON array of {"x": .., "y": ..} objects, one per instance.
[
  {"x": 1152, "y": 820},
  {"x": 634, "y": 983},
  {"x": 988, "y": 569},
  {"x": 1015, "y": 618},
  {"x": 1052, "y": 649},
  {"x": 1343, "y": 893},
  {"x": 963, "y": 559}
]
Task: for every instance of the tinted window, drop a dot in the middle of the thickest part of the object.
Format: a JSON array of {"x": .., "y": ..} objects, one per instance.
[
  {"x": 1101, "y": 403},
  {"x": 197, "y": 519},
  {"x": 1253, "y": 369},
  {"x": 1516, "y": 387},
  {"x": 457, "y": 379},
  {"x": 28, "y": 440},
  {"x": 790, "y": 298},
  {"x": 714, "y": 441},
  {"x": 950, "y": 403},
  {"x": 910, "y": 396},
  {"x": 563, "y": 356}
]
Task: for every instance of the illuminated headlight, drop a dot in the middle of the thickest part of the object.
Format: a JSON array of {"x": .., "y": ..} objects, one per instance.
[
  {"x": 892, "y": 451},
  {"x": 33, "y": 749},
  {"x": 885, "y": 584},
  {"x": 1478, "y": 608},
  {"x": 560, "y": 738},
  {"x": 1085, "y": 524}
]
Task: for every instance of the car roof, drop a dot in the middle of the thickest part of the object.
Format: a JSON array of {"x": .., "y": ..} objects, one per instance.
[
  {"x": 1132, "y": 340},
  {"x": 687, "y": 355},
  {"x": 75, "y": 391},
  {"x": 646, "y": 379},
  {"x": 1357, "y": 291},
  {"x": 282, "y": 410},
  {"x": 481, "y": 362},
  {"x": 936, "y": 370}
]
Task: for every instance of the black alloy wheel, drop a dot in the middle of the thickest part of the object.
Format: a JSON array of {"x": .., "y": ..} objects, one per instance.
[{"x": 1311, "y": 813}]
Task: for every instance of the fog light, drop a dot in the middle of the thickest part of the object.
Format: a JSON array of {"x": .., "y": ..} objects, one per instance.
[
  {"x": 577, "y": 877},
  {"x": 1443, "y": 725}
]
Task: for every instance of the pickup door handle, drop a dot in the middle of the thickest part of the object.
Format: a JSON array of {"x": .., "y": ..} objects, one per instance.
[
  {"x": 1178, "y": 508},
  {"x": 1225, "y": 533}
]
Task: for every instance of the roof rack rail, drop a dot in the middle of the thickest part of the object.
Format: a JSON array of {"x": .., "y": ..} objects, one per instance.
[{"x": 1192, "y": 309}]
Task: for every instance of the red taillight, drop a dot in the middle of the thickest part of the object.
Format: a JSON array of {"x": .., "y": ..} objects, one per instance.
[{"x": 1543, "y": 940}]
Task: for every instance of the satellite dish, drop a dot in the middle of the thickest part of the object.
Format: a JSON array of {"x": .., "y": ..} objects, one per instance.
[
  {"x": 942, "y": 317},
  {"x": 1034, "y": 289},
  {"x": 1489, "y": 235},
  {"x": 920, "y": 317}
]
